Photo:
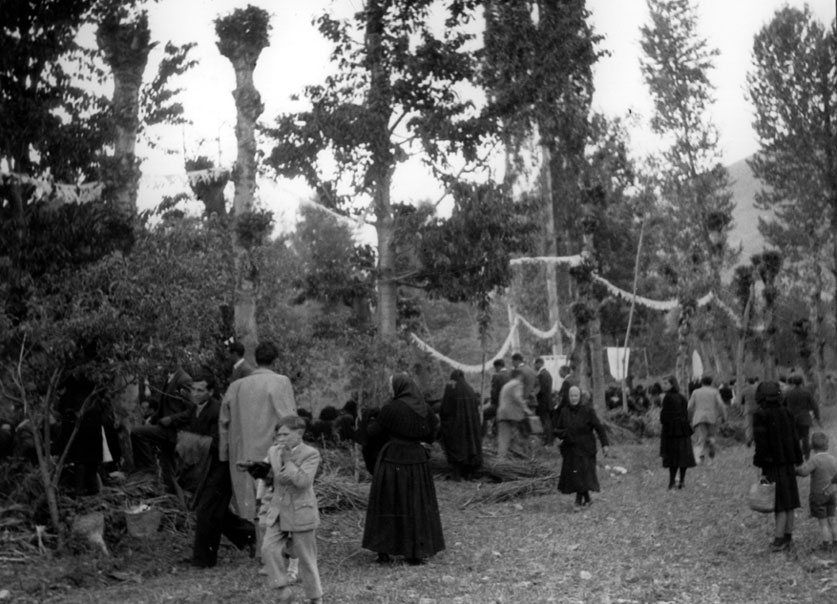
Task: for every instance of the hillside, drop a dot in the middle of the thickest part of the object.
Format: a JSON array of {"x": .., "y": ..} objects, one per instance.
[{"x": 745, "y": 216}]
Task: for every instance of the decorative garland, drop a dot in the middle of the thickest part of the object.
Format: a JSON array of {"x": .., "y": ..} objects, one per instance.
[
  {"x": 555, "y": 260},
  {"x": 658, "y": 305},
  {"x": 518, "y": 320}
]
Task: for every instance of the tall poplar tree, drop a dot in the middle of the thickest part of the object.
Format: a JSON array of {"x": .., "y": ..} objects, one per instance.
[
  {"x": 242, "y": 36},
  {"x": 793, "y": 86},
  {"x": 693, "y": 184},
  {"x": 538, "y": 77},
  {"x": 394, "y": 92}
]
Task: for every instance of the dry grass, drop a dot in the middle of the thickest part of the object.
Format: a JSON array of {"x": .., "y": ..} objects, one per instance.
[{"x": 638, "y": 543}]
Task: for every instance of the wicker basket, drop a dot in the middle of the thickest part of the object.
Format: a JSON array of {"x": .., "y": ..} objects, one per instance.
[{"x": 143, "y": 524}]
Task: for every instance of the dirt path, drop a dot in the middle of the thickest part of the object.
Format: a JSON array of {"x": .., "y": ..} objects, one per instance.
[{"x": 638, "y": 543}]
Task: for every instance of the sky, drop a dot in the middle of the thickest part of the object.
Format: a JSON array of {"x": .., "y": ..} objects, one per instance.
[{"x": 298, "y": 56}]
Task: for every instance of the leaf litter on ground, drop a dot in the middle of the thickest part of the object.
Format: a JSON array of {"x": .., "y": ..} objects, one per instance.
[{"x": 637, "y": 542}]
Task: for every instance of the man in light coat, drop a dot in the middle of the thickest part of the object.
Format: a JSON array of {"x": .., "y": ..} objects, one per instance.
[
  {"x": 249, "y": 413},
  {"x": 292, "y": 517},
  {"x": 706, "y": 409},
  {"x": 511, "y": 415}
]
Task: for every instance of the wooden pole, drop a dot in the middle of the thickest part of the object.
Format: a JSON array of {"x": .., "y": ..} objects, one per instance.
[{"x": 631, "y": 316}]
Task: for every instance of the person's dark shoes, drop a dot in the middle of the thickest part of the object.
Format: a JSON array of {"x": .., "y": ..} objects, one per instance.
[
  {"x": 189, "y": 561},
  {"x": 670, "y": 485},
  {"x": 680, "y": 485},
  {"x": 415, "y": 561},
  {"x": 383, "y": 559},
  {"x": 781, "y": 544}
]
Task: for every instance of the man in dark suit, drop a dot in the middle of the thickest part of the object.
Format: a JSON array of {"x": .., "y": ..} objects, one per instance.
[
  {"x": 499, "y": 379},
  {"x": 158, "y": 436},
  {"x": 208, "y": 478},
  {"x": 544, "y": 408},
  {"x": 241, "y": 368}
]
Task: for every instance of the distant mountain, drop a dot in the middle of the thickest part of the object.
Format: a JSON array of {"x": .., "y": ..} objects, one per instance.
[{"x": 745, "y": 231}]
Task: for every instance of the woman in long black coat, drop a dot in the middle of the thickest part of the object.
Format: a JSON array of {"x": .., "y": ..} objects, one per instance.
[
  {"x": 577, "y": 424},
  {"x": 461, "y": 426},
  {"x": 778, "y": 452},
  {"x": 403, "y": 514},
  {"x": 676, "y": 434}
]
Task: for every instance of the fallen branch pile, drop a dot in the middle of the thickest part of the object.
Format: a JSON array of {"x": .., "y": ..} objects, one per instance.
[
  {"x": 511, "y": 490},
  {"x": 336, "y": 492}
]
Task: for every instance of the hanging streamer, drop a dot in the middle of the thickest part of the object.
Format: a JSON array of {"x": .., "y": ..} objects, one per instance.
[
  {"x": 662, "y": 305},
  {"x": 504, "y": 349},
  {"x": 424, "y": 347},
  {"x": 556, "y": 260}
]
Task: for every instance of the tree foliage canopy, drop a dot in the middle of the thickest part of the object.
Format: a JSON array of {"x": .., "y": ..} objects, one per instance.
[{"x": 793, "y": 86}]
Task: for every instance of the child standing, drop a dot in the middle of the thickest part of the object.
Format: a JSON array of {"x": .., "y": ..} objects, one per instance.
[
  {"x": 822, "y": 467},
  {"x": 292, "y": 515}
]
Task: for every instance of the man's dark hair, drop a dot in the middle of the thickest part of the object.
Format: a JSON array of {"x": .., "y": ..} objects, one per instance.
[
  {"x": 203, "y": 374},
  {"x": 517, "y": 357},
  {"x": 706, "y": 380},
  {"x": 499, "y": 363},
  {"x": 266, "y": 353},
  {"x": 236, "y": 347},
  {"x": 565, "y": 370},
  {"x": 539, "y": 361}
]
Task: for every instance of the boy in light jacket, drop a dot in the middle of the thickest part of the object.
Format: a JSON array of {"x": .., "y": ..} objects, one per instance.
[{"x": 292, "y": 515}]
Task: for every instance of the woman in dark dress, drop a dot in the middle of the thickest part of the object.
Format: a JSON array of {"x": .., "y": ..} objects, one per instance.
[
  {"x": 778, "y": 452},
  {"x": 577, "y": 424},
  {"x": 461, "y": 431},
  {"x": 403, "y": 514},
  {"x": 676, "y": 434}
]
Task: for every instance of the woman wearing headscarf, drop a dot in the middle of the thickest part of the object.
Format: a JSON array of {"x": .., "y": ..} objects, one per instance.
[
  {"x": 402, "y": 518},
  {"x": 577, "y": 424},
  {"x": 460, "y": 420},
  {"x": 778, "y": 452},
  {"x": 676, "y": 434}
]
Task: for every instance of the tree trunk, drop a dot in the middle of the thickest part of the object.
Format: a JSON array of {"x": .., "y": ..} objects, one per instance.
[
  {"x": 244, "y": 54},
  {"x": 769, "y": 340},
  {"x": 44, "y": 459},
  {"x": 387, "y": 288},
  {"x": 742, "y": 339},
  {"x": 379, "y": 105},
  {"x": 597, "y": 365},
  {"x": 125, "y": 46},
  {"x": 684, "y": 326},
  {"x": 819, "y": 334},
  {"x": 551, "y": 249}
]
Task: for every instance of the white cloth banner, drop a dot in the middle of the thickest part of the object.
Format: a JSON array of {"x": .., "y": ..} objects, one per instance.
[
  {"x": 553, "y": 363},
  {"x": 618, "y": 359},
  {"x": 697, "y": 365}
]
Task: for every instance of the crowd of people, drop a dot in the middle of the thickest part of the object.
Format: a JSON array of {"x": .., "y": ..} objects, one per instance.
[{"x": 242, "y": 462}]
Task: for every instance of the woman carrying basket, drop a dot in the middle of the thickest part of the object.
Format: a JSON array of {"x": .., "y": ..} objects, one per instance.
[{"x": 778, "y": 452}]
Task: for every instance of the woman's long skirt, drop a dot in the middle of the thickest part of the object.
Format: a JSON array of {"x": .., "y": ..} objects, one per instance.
[
  {"x": 787, "y": 491},
  {"x": 403, "y": 515},
  {"x": 578, "y": 473},
  {"x": 677, "y": 452}
]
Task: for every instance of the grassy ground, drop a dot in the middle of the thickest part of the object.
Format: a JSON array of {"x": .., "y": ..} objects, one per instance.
[{"x": 638, "y": 543}]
